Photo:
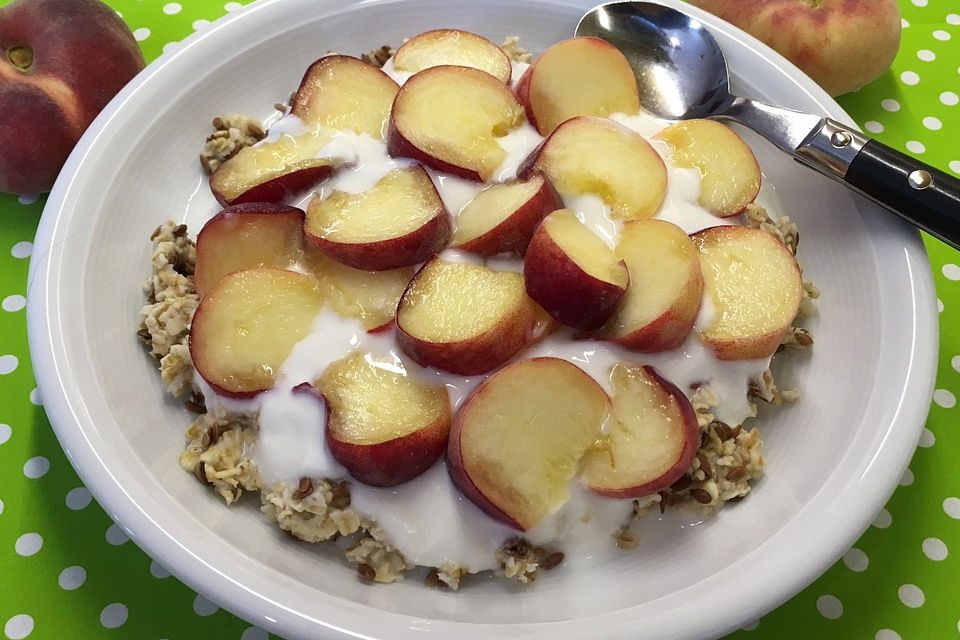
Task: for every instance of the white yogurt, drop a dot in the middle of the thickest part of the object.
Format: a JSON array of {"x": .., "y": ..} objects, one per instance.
[{"x": 427, "y": 518}]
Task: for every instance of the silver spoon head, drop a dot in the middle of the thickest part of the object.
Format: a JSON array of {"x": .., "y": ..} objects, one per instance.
[{"x": 681, "y": 72}]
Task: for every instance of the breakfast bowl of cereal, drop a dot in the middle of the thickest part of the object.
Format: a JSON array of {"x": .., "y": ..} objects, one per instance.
[{"x": 442, "y": 334}]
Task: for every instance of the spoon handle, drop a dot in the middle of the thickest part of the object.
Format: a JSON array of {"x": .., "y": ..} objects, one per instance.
[{"x": 918, "y": 193}]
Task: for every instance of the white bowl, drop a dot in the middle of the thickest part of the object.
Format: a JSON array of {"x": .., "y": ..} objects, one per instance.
[{"x": 833, "y": 458}]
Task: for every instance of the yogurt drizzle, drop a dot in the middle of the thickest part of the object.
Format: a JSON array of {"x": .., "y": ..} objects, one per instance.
[{"x": 427, "y": 519}]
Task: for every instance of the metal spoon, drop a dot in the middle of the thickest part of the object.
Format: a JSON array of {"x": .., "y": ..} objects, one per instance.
[{"x": 681, "y": 73}]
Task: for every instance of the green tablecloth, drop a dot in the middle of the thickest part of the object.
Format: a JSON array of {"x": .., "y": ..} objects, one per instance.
[{"x": 66, "y": 571}]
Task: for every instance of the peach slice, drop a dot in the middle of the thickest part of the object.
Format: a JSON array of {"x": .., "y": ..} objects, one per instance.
[
  {"x": 274, "y": 171},
  {"x": 571, "y": 272},
  {"x": 503, "y": 217},
  {"x": 449, "y": 118},
  {"x": 464, "y": 318},
  {"x": 516, "y": 442},
  {"x": 400, "y": 222},
  {"x": 383, "y": 426},
  {"x": 342, "y": 93},
  {"x": 368, "y": 296},
  {"x": 600, "y": 156},
  {"x": 653, "y": 439},
  {"x": 665, "y": 290},
  {"x": 755, "y": 286},
  {"x": 729, "y": 173},
  {"x": 452, "y": 47},
  {"x": 246, "y": 236},
  {"x": 577, "y": 77},
  {"x": 247, "y": 325}
]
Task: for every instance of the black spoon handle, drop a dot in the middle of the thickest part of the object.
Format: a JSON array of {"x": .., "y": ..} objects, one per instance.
[{"x": 915, "y": 191}]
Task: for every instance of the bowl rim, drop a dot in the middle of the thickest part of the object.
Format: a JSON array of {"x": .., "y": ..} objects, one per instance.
[{"x": 233, "y": 588}]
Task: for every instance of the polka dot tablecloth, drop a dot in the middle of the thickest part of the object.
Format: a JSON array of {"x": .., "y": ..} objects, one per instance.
[{"x": 66, "y": 571}]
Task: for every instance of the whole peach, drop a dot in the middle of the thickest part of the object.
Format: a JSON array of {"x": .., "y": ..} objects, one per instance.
[
  {"x": 841, "y": 44},
  {"x": 61, "y": 61}
]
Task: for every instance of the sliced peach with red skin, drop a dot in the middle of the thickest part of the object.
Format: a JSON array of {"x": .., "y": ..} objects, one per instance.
[
  {"x": 448, "y": 118},
  {"x": 464, "y": 318},
  {"x": 275, "y": 171},
  {"x": 247, "y": 325},
  {"x": 246, "y": 236},
  {"x": 729, "y": 172},
  {"x": 342, "y": 93},
  {"x": 400, "y": 222},
  {"x": 572, "y": 274},
  {"x": 385, "y": 427},
  {"x": 452, "y": 47},
  {"x": 666, "y": 287},
  {"x": 577, "y": 77},
  {"x": 503, "y": 217},
  {"x": 653, "y": 439},
  {"x": 602, "y": 157},
  {"x": 517, "y": 441},
  {"x": 368, "y": 296},
  {"x": 755, "y": 285}
]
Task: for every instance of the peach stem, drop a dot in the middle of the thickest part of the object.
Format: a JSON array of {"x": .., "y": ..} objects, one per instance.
[{"x": 21, "y": 56}]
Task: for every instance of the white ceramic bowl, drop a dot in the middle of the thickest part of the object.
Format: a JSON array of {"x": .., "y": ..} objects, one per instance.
[{"x": 833, "y": 458}]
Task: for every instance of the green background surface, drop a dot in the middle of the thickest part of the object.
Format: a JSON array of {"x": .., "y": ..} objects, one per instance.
[{"x": 66, "y": 571}]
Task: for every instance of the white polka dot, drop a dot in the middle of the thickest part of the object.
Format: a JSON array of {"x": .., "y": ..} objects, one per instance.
[
  {"x": 883, "y": 519},
  {"x": 254, "y": 633},
  {"x": 890, "y": 104},
  {"x": 115, "y": 535},
  {"x": 856, "y": 560},
  {"x": 5, "y": 432},
  {"x": 36, "y": 467},
  {"x": 953, "y": 18},
  {"x": 200, "y": 24},
  {"x": 873, "y": 126},
  {"x": 8, "y": 364},
  {"x": 28, "y": 198},
  {"x": 909, "y": 78},
  {"x": 113, "y": 615},
  {"x": 35, "y": 397},
  {"x": 203, "y": 607},
  {"x": 14, "y": 303},
  {"x": 915, "y": 147},
  {"x": 887, "y": 634},
  {"x": 232, "y": 6},
  {"x": 22, "y": 250},
  {"x": 951, "y": 271},
  {"x": 955, "y": 166},
  {"x": 903, "y": 23},
  {"x": 934, "y": 548},
  {"x": 158, "y": 571},
  {"x": 949, "y": 98},
  {"x": 932, "y": 123},
  {"x": 751, "y": 626},
  {"x": 172, "y": 8},
  {"x": 911, "y": 595},
  {"x": 72, "y": 578},
  {"x": 19, "y": 626},
  {"x": 919, "y": 3},
  {"x": 141, "y": 34},
  {"x": 951, "y": 507},
  {"x": 829, "y": 607},
  {"x": 1, "y": 506},
  {"x": 955, "y": 363},
  {"x": 944, "y": 398},
  {"x": 907, "y": 478},
  {"x": 28, "y": 544},
  {"x": 926, "y": 55},
  {"x": 170, "y": 46},
  {"x": 78, "y": 498},
  {"x": 927, "y": 438},
  {"x": 941, "y": 35},
  {"x": 939, "y": 305}
]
